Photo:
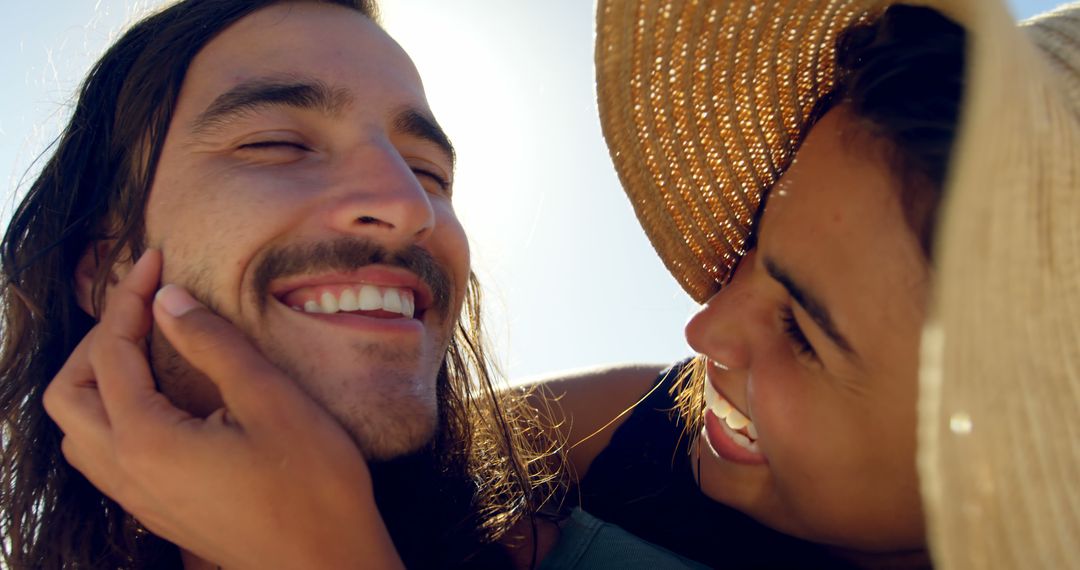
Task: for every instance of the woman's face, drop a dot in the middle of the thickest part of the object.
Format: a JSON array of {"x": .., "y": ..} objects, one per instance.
[{"x": 815, "y": 343}]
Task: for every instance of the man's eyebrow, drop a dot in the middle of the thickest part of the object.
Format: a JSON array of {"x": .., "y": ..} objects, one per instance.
[
  {"x": 811, "y": 304},
  {"x": 414, "y": 123},
  {"x": 268, "y": 92}
]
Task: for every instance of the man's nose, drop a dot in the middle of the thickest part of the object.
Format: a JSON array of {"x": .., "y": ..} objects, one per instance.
[{"x": 380, "y": 198}]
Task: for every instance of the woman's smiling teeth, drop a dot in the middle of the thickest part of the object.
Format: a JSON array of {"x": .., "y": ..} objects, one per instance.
[
  {"x": 347, "y": 299},
  {"x": 736, "y": 426}
]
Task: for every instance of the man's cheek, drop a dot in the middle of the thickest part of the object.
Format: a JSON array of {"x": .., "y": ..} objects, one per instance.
[{"x": 187, "y": 388}]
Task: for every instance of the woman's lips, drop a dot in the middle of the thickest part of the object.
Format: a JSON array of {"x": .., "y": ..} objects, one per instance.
[
  {"x": 720, "y": 441},
  {"x": 730, "y": 434}
]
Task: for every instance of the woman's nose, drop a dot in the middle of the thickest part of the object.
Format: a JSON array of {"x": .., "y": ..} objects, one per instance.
[{"x": 721, "y": 327}]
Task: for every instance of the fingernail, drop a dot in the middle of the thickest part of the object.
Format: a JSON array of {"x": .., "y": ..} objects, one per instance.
[{"x": 175, "y": 300}]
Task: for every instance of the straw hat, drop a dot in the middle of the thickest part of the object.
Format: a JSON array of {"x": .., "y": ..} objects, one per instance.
[{"x": 702, "y": 104}]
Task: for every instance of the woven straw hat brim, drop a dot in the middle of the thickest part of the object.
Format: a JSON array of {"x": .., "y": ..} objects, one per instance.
[
  {"x": 1000, "y": 389},
  {"x": 702, "y": 103}
]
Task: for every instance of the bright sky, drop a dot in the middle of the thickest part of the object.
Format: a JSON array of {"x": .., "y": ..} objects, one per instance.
[{"x": 570, "y": 278}]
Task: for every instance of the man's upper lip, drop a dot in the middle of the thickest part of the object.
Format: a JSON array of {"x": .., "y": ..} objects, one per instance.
[{"x": 378, "y": 275}]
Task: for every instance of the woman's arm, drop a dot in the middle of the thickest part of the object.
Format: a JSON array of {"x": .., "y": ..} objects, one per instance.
[{"x": 587, "y": 406}]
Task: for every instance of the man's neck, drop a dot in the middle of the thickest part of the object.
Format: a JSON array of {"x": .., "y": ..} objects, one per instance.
[{"x": 431, "y": 512}]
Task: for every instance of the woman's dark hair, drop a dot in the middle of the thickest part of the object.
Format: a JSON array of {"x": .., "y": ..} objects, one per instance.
[
  {"x": 93, "y": 190},
  {"x": 902, "y": 75}
]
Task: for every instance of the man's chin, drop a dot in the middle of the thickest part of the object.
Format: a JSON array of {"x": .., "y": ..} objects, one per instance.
[
  {"x": 382, "y": 453},
  {"x": 385, "y": 396},
  {"x": 392, "y": 435}
]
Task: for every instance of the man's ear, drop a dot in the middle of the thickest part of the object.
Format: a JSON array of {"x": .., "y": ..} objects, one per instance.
[{"x": 86, "y": 273}]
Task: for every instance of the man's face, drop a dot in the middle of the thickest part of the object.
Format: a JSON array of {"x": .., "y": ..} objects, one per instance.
[{"x": 303, "y": 193}]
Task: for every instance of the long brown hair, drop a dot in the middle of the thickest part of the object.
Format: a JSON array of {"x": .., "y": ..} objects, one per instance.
[{"x": 94, "y": 187}]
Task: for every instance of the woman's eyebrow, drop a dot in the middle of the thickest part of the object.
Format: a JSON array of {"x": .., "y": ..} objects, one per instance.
[{"x": 811, "y": 304}]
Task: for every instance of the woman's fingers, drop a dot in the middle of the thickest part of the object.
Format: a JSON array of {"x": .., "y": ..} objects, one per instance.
[
  {"x": 126, "y": 311},
  {"x": 255, "y": 392},
  {"x": 118, "y": 353},
  {"x": 217, "y": 486},
  {"x": 104, "y": 397},
  {"x": 72, "y": 400}
]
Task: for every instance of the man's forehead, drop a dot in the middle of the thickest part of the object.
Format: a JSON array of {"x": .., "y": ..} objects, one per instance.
[
  {"x": 311, "y": 57},
  {"x": 314, "y": 39},
  {"x": 339, "y": 51}
]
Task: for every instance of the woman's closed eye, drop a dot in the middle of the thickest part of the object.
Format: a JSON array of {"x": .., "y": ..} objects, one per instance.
[{"x": 795, "y": 333}]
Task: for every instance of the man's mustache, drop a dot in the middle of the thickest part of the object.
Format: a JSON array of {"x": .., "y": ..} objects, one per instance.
[{"x": 348, "y": 254}]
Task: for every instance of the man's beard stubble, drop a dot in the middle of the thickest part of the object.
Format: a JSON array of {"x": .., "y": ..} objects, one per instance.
[{"x": 398, "y": 413}]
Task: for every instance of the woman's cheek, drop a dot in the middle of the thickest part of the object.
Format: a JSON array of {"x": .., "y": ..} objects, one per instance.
[{"x": 779, "y": 403}]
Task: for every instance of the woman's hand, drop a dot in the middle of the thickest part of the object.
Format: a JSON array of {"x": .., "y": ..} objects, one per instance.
[{"x": 269, "y": 480}]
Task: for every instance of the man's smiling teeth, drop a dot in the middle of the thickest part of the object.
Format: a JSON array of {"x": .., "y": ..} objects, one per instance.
[
  {"x": 362, "y": 298},
  {"x": 732, "y": 420}
]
